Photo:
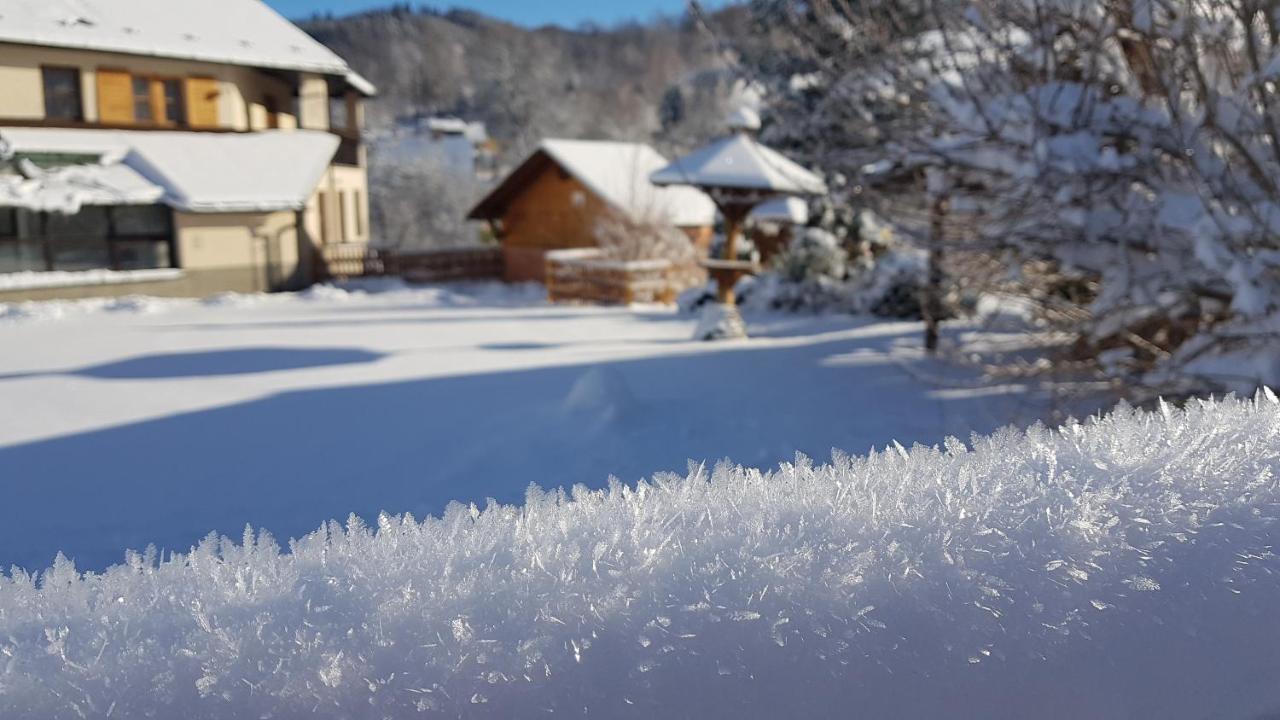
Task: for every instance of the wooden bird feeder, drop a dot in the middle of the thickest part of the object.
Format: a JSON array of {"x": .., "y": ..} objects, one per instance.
[{"x": 738, "y": 174}]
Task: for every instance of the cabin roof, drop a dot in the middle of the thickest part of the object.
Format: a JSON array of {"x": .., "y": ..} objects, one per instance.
[{"x": 617, "y": 172}]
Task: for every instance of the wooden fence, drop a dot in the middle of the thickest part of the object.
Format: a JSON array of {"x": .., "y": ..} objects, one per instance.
[
  {"x": 340, "y": 262},
  {"x": 587, "y": 276},
  {"x": 580, "y": 275}
]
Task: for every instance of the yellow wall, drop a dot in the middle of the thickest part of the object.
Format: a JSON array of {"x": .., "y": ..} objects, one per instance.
[
  {"x": 313, "y": 103},
  {"x": 259, "y": 250},
  {"x": 347, "y": 185},
  {"x": 242, "y": 91}
]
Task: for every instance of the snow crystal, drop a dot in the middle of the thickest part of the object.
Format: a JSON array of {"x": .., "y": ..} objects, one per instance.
[{"x": 1120, "y": 567}]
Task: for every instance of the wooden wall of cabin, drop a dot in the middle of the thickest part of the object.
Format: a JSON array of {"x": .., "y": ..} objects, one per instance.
[{"x": 555, "y": 211}]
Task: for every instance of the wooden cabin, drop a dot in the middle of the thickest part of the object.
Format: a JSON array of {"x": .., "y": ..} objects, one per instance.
[{"x": 559, "y": 196}]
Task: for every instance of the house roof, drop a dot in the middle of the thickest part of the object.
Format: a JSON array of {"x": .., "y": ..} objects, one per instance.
[
  {"x": 67, "y": 189},
  {"x": 235, "y": 32},
  {"x": 740, "y": 162},
  {"x": 196, "y": 172},
  {"x": 617, "y": 172}
]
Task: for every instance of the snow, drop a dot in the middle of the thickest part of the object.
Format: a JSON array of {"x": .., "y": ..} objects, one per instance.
[
  {"x": 597, "y": 258},
  {"x": 66, "y": 190},
  {"x": 740, "y": 162},
  {"x": 35, "y": 280},
  {"x": 792, "y": 210},
  {"x": 166, "y": 419},
  {"x": 717, "y": 321},
  {"x": 199, "y": 172},
  {"x": 619, "y": 173},
  {"x": 1117, "y": 568},
  {"x": 237, "y": 32},
  {"x": 743, "y": 118}
]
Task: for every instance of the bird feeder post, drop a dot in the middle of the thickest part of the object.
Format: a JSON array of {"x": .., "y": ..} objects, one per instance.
[{"x": 735, "y": 217}]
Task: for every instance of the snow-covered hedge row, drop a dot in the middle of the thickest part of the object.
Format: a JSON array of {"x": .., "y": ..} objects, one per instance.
[{"x": 1117, "y": 568}]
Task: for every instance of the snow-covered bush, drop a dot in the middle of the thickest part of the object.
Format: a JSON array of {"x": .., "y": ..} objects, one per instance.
[
  {"x": 1117, "y": 568},
  {"x": 1131, "y": 144},
  {"x": 814, "y": 256},
  {"x": 815, "y": 275}
]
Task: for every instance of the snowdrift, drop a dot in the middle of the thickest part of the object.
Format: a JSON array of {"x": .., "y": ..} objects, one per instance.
[{"x": 1122, "y": 567}]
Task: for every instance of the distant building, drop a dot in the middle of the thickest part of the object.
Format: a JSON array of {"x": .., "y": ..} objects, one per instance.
[
  {"x": 450, "y": 143},
  {"x": 171, "y": 147},
  {"x": 557, "y": 198}
]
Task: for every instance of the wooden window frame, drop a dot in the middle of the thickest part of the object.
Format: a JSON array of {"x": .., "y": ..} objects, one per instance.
[
  {"x": 155, "y": 84},
  {"x": 199, "y": 106}
]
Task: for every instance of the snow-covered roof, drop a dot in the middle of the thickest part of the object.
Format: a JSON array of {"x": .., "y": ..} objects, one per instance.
[
  {"x": 618, "y": 172},
  {"x": 236, "y": 32},
  {"x": 67, "y": 189},
  {"x": 198, "y": 172},
  {"x": 739, "y": 162},
  {"x": 447, "y": 125},
  {"x": 744, "y": 118},
  {"x": 792, "y": 210}
]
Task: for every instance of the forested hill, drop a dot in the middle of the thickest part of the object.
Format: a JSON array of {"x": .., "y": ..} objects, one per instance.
[{"x": 662, "y": 81}]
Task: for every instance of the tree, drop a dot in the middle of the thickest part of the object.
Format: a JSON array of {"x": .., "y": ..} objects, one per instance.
[{"x": 1120, "y": 157}]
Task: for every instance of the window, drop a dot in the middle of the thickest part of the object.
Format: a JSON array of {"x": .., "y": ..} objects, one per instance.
[
  {"x": 338, "y": 114},
  {"x": 78, "y": 242},
  {"x": 342, "y": 217},
  {"x": 16, "y": 253},
  {"x": 62, "y": 94},
  {"x": 326, "y": 224},
  {"x": 117, "y": 238},
  {"x": 142, "y": 100},
  {"x": 174, "y": 108},
  {"x": 149, "y": 220},
  {"x": 359, "y": 210}
]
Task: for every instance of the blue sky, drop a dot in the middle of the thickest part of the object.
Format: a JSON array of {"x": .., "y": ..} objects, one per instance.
[{"x": 525, "y": 12}]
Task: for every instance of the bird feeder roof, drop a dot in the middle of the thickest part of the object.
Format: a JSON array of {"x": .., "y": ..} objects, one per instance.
[{"x": 740, "y": 162}]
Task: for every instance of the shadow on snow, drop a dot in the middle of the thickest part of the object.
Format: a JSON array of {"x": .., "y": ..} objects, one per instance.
[{"x": 290, "y": 461}]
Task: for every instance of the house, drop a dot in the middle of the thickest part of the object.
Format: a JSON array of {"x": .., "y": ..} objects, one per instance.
[
  {"x": 557, "y": 198},
  {"x": 171, "y": 147}
]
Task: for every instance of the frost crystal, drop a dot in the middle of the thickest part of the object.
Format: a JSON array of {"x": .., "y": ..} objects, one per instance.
[{"x": 1130, "y": 555}]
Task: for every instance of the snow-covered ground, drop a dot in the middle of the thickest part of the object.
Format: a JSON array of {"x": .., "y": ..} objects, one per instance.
[{"x": 142, "y": 421}]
